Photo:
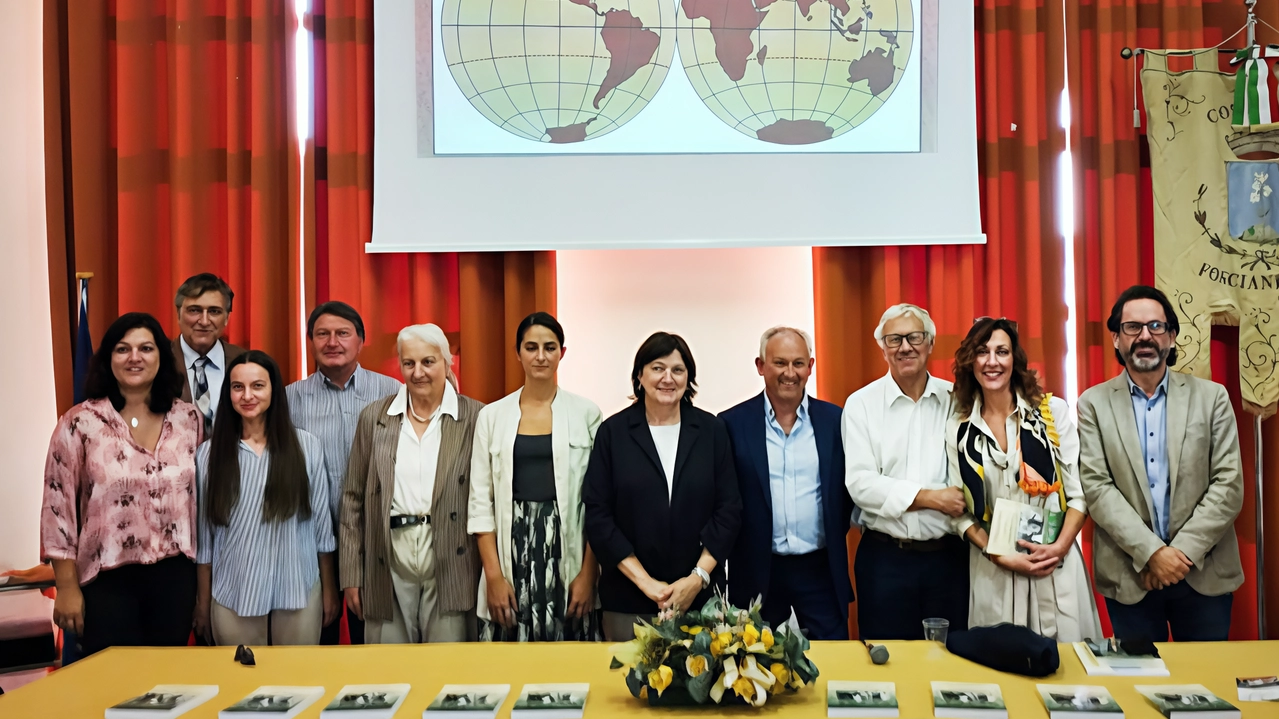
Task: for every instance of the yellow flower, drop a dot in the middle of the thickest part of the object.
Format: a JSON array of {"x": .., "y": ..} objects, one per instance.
[
  {"x": 725, "y": 638},
  {"x": 782, "y": 675},
  {"x": 750, "y": 635},
  {"x": 767, "y": 637},
  {"x": 695, "y": 665},
  {"x": 690, "y": 630},
  {"x": 660, "y": 678},
  {"x": 744, "y": 688}
]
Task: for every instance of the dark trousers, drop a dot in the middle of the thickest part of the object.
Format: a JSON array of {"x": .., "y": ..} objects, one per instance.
[
  {"x": 803, "y": 582},
  {"x": 898, "y": 588},
  {"x": 148, "y": 605},
  {"x": 333, "y": 633},
  {"x": 1193, "y": 617}
]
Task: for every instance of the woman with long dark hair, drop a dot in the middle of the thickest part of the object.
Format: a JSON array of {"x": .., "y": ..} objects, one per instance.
[
  {"x": 527, "y": 465},
  {"x": 119, "y": 514},
  {"x": 1009, "y": 441},
  {"x": 266, "y": 542}
]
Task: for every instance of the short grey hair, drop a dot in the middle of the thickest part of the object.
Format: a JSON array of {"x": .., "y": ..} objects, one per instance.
[
  {"x": 432, "y": 335},
  {"x": 906, "y": 309},
  {"x": 772, "y": 332}
]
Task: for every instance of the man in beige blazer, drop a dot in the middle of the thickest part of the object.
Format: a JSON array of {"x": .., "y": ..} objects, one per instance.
[
  {"x": 1159, "y": 461},
  {"x": 204, "y": 305}
]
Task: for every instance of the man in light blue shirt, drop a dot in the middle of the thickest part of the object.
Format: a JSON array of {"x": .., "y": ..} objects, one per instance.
[
  {"x": 1152, "y": 429},
  {"x": 793, "y": 479},
  {"x": 328, "y": 405},
  {"x": 1160, "y": 466},
  {"x": 792, "y": 548}
]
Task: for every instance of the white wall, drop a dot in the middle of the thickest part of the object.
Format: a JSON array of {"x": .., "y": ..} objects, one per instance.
[
  {"x": 720, "y": 301},
  {"x": 27, "y": 404}
]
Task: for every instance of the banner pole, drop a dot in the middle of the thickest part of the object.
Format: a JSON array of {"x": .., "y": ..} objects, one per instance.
[{"x": 1261, "y": 530}]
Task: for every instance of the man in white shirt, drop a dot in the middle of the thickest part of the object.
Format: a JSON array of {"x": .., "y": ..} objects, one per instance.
[{"x": 909, "y": 565}]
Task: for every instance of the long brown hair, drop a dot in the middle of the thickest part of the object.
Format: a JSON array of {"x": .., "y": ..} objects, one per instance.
[
  {"x": 288, "y": 489},
  {"x": 1025, "y": 381}
]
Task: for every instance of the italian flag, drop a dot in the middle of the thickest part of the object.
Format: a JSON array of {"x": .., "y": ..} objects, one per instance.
[{"x": 1255, "y": 101}]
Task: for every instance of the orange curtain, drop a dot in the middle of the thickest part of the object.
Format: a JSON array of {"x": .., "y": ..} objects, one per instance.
[
  {"x": 1114, "y": 245},
  {"x": 477, "y": 298},
  {"x": 173, "y": 128},
  {"x": 1020, "y": 78}
]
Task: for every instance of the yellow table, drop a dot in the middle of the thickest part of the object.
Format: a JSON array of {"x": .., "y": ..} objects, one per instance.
[{"x": 86, "y": 688}]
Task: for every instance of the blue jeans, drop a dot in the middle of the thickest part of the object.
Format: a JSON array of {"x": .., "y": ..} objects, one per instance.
[{"x": 1193, "y": 617}]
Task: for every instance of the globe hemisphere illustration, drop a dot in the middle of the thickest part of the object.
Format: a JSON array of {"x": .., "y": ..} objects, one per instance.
[
  {"x": 794, "y": 72},
  {"x": 558, "y": 71}
]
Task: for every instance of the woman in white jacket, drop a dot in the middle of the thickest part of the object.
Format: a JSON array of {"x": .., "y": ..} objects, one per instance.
[{"x": 527, "y": 464}]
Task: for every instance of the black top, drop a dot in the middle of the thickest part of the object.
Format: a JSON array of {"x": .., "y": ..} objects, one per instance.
[
  {"x": 627, "y": 510},
  {"x": 534, "y": 469}
]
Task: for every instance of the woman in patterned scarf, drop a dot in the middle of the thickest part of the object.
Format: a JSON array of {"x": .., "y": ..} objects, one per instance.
[{"x": 1008, "y": 440}]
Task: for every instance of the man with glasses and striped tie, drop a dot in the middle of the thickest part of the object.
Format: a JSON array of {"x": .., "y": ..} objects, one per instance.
[
  {"x": 1160, "y": 465},
  {"x": 204, "y": 305}
]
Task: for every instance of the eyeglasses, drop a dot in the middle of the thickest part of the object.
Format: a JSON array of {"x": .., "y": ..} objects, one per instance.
[
  {"x": 1132, "y": 329},
  {"x": 914, "y": 338},
  {"x": 1011, "y": 323}
]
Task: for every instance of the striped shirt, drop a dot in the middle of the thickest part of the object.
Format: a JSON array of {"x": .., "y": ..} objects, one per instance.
[
  {"x": 261, "y": 566},
  {"x": 331, "y": 414}
]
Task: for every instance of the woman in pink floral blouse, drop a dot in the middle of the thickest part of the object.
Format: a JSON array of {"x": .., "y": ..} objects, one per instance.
[{"x": 119, "y": 514}]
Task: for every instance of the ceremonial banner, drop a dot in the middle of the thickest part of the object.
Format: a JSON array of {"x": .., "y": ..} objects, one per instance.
[{"x": 1216, "y": 238}]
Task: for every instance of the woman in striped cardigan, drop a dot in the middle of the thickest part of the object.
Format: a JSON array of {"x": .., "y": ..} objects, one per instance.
[
  {"x": 408, "y": 566},
  {"x": 264, "y": 553}
]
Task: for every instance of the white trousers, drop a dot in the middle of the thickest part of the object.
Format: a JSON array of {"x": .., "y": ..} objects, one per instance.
[
  {"x": 417, "y": 617},
  {"x": 281, "y": 626}
]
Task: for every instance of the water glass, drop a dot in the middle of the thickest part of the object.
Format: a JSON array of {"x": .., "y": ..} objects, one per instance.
[{"x": 936, "y": 629}]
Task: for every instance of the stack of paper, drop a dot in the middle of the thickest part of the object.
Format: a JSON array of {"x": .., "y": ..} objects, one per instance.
[
  {"x": 163, "y": 702},
  {"x": 1119, "y": 663},
  {"x": 366, "y": 701},
  {"x": 480, "y": 701},
  {"x": 273, "y": 702},
  {"x": 853, "y": 700},
  {"x": 1187, "y": 701},
  {"x": 551, "y": 701},
  {"x": 1064, "y": 701},
  {"x": 956, "y": 700}
]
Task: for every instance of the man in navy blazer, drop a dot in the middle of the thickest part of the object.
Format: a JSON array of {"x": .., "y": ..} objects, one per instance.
[{"x": 791, "y": 548}]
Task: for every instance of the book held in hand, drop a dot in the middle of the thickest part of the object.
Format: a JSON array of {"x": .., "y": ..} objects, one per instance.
[
  {"x": 163, "y": 701},
  {"x": 1111, "y": 658},
  {"x": 1013, "y": 521},
  {"x": 1187, "y": 701},
  {"x": 471, "y": 700},
  {"x": 273, "y": 702},
  {"x": 1066, "y": 700},
  {"x": 861, "y": 699},
  {"x": 366, "y": 701},
  {"x": 961, "y": 700},
  {"x": 551, "y": 701},
  {"x": 1258, "y": 689}
]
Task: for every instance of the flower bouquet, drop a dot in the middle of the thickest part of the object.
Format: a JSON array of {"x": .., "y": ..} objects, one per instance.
[{"x": 720, "y": 654}]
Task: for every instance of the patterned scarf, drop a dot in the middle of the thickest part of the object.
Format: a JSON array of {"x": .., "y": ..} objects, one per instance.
[{"x": 1039, "y": 447}]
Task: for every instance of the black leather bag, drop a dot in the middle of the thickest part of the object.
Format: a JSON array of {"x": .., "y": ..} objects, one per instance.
[{"x": 1008, "y": 648}]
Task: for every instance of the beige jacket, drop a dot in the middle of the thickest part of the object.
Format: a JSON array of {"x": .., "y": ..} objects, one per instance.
[
  {"x": 364, "y": 545},
  {"x": 574, "y": 420},
  {"x": 1205, "y": 481}
]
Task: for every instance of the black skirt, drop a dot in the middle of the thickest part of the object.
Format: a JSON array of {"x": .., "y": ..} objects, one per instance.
[{"x": 540, "y": 595}]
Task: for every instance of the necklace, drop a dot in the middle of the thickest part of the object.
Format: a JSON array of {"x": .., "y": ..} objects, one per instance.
[{"x": 134, "y": 422}]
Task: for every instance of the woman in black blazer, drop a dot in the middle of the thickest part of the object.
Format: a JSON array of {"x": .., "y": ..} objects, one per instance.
[{"x": 660, "y": 555}]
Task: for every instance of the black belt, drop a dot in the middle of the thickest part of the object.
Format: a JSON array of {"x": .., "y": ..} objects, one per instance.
[
  {"x": 399, "y": 521},
  {"x": 910, "y": 545}
]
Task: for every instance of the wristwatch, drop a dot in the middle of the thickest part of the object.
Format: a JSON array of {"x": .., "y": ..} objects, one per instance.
[{"x": 702, "y": 575}]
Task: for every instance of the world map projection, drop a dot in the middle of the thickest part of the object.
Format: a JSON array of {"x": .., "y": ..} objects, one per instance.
[
  {"x": 788, "y": 72},
  {"x": 558, "y": 70}
]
